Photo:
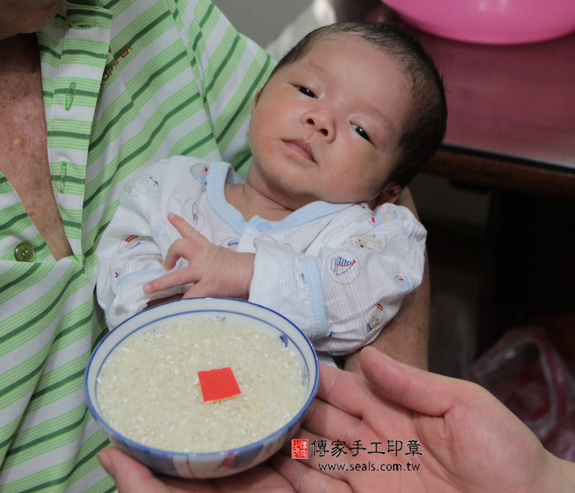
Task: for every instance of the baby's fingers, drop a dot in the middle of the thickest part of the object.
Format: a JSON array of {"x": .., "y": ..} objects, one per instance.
[
  {"x": 171, "y": 280},
  {"x": 177, "y": 250},
  {"x": 183, "y": 227},
  {"x": 200, "y": 290},
  {"x": 184, "y": 248}
]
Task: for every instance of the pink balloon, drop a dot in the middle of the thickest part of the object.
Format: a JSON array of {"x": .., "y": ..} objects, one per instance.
[{"x": 489, "y": 21}]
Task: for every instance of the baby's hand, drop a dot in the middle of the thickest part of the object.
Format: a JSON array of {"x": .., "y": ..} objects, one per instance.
[{"x": 215, "y": 270}]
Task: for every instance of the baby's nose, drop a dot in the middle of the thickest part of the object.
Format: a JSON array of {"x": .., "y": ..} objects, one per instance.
[
  {"x": 322, "y": 121},
  {"x": 319, "y": 127}
]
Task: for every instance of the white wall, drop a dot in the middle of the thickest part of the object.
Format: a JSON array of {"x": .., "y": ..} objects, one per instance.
[{"x": 262, "y": 20}]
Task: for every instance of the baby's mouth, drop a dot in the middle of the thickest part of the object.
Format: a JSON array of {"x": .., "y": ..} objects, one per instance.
[{"x": 302, "y": 148}]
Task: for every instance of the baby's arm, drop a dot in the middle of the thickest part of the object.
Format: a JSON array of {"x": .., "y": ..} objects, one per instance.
[
  {"x": 131, "y": 252},
  {"x": 405, "y": 338},
  {"x": 344, "y": 292}
]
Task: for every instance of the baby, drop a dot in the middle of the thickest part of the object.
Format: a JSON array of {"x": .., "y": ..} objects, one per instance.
[{"x": 345, "y": 121}]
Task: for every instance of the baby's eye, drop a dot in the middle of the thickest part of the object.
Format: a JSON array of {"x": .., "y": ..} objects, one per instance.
[
  {"x": 306, "y": 91},
  {"x": 361, "y": 132}
]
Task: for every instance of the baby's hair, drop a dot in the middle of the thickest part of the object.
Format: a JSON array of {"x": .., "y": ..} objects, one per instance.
[{"x": 425, "y": 127}]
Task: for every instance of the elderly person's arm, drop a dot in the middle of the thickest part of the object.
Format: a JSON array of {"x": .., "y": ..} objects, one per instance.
[{"x": 405, "y": 338}]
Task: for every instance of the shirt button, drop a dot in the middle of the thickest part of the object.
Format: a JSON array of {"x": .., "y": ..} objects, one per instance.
[
  {"x": 264, "y": 227},
  {"x": 24, "y": 252}
]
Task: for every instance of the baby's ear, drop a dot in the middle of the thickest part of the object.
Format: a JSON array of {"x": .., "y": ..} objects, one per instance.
[{"x": 389, "y": 194}]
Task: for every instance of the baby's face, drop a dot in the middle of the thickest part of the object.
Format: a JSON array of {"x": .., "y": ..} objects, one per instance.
[{"x": 327, "y": 127}]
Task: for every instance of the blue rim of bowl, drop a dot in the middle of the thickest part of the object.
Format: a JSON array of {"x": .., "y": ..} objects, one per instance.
[{"x": 200, "y": 455}]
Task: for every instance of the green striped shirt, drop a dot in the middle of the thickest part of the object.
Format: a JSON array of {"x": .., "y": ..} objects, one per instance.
[{"x": 126, "y": 82}]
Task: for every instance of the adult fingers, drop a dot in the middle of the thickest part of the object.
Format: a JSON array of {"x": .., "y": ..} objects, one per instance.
[
  {"x": 326, "y": 454},
  {"x": 130, "y": 476},
  {"x": 326, "y": 420},
  {"x": 305, "y": 479},
  {"x": 419, "y": 390},
  {"x": 344, "y": 390}
]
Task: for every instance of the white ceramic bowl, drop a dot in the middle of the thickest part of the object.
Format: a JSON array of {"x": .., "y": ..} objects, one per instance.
[
  {"x": 213, "y": 464},
  {"x": 489, "y": 21}
]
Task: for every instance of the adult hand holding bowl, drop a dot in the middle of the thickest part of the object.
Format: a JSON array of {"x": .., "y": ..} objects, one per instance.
[{"x": 227, "y": 313}]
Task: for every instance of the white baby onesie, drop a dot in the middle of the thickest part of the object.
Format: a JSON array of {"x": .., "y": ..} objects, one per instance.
[{"x": 337, "y": 271}]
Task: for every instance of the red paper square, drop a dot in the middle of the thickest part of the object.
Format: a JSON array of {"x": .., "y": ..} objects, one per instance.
[{"x": 218, "y": 384}]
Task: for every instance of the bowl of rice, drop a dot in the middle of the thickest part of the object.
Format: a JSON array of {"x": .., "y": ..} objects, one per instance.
[{"x": 202, "y": 387}]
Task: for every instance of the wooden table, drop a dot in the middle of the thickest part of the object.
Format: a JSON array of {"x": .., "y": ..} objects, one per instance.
[{"x": 511, "y": 114}]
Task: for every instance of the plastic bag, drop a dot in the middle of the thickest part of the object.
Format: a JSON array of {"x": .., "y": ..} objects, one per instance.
[{"x": 526, "y": 373}]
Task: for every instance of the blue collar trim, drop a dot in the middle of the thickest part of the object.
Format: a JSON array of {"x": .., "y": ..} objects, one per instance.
[{"x": 220, "y": 173}]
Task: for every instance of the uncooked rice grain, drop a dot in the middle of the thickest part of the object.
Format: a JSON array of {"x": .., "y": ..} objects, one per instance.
[{"x": 149, "y": 390}]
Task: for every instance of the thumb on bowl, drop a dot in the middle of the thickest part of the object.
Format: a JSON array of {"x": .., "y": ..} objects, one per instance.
[{"x": 130, "y": 476}]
